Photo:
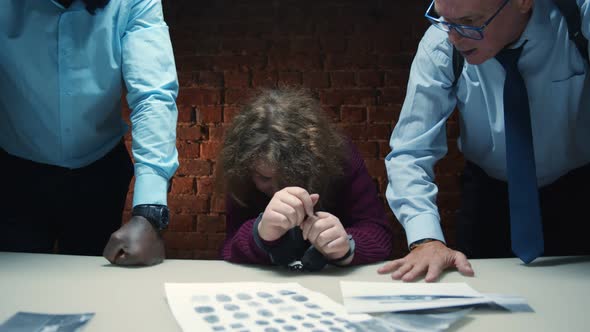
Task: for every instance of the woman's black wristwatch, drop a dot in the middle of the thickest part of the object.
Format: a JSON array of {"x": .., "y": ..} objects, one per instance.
[{"x": 156, "y": 214}]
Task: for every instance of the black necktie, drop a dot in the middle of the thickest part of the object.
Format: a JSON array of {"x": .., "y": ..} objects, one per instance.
[{"x": 525, "y": 213}]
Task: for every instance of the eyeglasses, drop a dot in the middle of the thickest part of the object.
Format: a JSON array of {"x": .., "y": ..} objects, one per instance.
[{"x": 466, "y": 31}]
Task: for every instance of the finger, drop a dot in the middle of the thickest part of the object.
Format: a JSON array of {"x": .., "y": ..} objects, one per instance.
[
  {"x": 401, "y": 271},
  {"x": 391, "y": 266},
  {"x": 297, "y": 205},
  {"x": 275, "y": 220},
  {"x": 304, "y": 196},
  {"x": 288, "y": 212},
  {"x": 463, "y": 265},
  {"x": 315, "y": 198},
  {"x": 319, "y": 215},
  {"x": 128, "y": 258},
  {"x": 323, "y": 215},
  {"x": 327, "y": 236},
  {"x": 339, "y": 245},
  {"x": 114, "y": 248},
  {"x": 306, "y": 226},
  {"x": 415, "y": 272},
  {"x": 434, "y": 271},
  {"x": 317, "y": 228}
]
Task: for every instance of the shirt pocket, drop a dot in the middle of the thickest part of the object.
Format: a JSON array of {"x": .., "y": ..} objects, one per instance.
[{"x": 563, "y": 77}]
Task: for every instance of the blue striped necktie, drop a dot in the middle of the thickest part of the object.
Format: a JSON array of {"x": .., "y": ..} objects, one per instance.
[{"x": 526, "y": 228}]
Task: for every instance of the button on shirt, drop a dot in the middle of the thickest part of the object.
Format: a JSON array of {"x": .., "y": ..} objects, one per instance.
[
  {"x": 61, "y": 80},
  {"x": 556, "y": 78}
]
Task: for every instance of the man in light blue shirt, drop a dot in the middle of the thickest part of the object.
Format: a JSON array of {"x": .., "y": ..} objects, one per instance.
[
  {"x": 63, "y": 68},
  {"x": 556, "y": 78}
]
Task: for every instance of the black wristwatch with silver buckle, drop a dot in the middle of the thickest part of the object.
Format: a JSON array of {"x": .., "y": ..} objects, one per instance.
[{"x": 157, "y": 215}]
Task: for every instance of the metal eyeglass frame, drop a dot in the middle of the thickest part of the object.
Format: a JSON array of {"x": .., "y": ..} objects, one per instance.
[{"x": 467, "y": 31}]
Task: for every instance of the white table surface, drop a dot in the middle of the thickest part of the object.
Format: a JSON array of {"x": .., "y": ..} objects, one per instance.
[{"x": 133, "y": 299}]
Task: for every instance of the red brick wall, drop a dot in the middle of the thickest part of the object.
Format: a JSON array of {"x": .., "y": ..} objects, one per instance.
[{"x": 355, "y": 57}]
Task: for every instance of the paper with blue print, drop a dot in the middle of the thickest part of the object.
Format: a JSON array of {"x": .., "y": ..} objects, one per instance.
[
  {"x": 255, "y": 306},
  {"x": 373, "y": 297}
]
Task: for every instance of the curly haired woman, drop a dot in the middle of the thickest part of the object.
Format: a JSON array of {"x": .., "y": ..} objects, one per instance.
[{"x": 297, "y": 189}]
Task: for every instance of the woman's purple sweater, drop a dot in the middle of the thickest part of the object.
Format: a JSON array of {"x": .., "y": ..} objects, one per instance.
[{"x": 358, "y": 207}]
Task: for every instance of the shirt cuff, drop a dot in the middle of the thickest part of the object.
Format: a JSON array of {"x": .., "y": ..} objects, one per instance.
[
  {"x": 150, "y": 189},
  {"x": 423, "y": 226}
]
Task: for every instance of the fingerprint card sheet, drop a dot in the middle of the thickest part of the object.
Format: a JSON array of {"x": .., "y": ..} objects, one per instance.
[{"x": 254, "y": 306}]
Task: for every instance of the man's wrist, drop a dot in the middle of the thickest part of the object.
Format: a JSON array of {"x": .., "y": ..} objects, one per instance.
[
  {"x": 156, "y": 214},
  {"x": 418, "y": 243}
]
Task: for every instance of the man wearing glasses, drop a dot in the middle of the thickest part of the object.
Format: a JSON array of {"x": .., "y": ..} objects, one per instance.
[{"x": 524, "y": 98}]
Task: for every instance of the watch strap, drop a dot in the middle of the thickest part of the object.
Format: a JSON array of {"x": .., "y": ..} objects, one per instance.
[
  {"x": 415, "y": 244},
  {"x": 351, "y": 246},
  {"x": 156, "y": 214}
]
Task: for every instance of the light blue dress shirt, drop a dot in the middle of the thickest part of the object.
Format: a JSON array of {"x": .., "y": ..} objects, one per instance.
[
  {"x": 559, "y": 96},
  {"x": 62, "y": 74}
]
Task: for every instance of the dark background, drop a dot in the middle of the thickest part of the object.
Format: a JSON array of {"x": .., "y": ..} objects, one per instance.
[{"x": 353, "y": 55}]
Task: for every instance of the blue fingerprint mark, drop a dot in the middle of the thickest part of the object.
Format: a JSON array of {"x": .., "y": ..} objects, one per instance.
[
  {"x": 313, "y": 316},
  {"x": 289, "y": 328},
  {"x": 341, "y": 320},
  {"x": 244, "y": 296},
  {"x": 264, "y": 295},
  {"x": 222, "y": 298},
  {"x": 253, "y": 304},
  {"x": 299, "y": 298},
  {"x": 279, "y": 320},
  {"x": 204, "y": 310},
  {"x": 297, "y": 317},
  {"x": 336, "y": 329},
  {"x": 311, "y": 305},
  {"x": 286, "y": 292},
  {"x": 308, "y": 325},
  {"x": 265, "y": 313},
  {"x": 231, "y": 307},
  {"x": 350, "y": 327},
  {"x": 261, "y": 322},
  {"x": 326, "y": 322},
  {"x": 211, "y": 319},
  {"x": 328, "y": 313},
  {"x": 275, "y": 300},
  {"x": 241, "y": 315},
  {"x": 237, "y": 326},
  {"x": 218, "y": 328},
  {"x": 271, "y": 329}
]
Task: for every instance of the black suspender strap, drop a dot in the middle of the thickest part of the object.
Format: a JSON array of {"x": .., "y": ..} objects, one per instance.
[{"x": 569, "y": 9}]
